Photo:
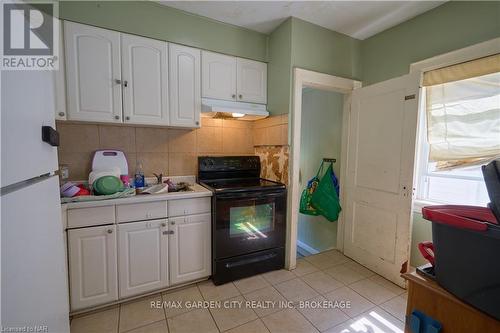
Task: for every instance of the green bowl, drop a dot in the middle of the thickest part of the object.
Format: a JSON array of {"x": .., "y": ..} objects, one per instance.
[{"x": 107, "y": 185}]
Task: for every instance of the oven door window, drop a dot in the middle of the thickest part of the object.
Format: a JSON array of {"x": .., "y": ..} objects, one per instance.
[{"x": 251, "y": 222}]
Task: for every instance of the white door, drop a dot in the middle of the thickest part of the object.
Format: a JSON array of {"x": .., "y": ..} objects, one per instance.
[
  {"x": 185, "y": 90},
  {"x": 190, "y": 248},
  {"x": 251, "y": 81},
  {"x": 218, "y": 76},
  {"x": 93, "y": 73},
  {"x": 144, "y": 80},
  {"x": 143, "y": 256},
  {"x": 92, "y": 266},
  {"x": 379, "y": 177}
]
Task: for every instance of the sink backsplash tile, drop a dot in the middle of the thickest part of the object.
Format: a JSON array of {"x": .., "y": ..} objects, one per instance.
[
  {"x": 175, "y": 151},
  {"x": 170, "y": 151}
]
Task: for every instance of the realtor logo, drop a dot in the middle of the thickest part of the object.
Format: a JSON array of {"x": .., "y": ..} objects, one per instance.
[{"x": 29, "y": 36}]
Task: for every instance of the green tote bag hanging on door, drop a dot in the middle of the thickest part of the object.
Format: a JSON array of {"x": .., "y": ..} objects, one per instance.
[
  {"x": 305, "y": 199},
  {"x": 325, "y": 199}
]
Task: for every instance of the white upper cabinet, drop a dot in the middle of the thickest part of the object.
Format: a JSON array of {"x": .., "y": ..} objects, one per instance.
[
  {"x": 233, "y": 79},
  {"x": 93, "y": 73},
  {"x": 218, "y": 76},
  {"x": 251, "y": 81},
  {"x": 190, "y": 248},
  {"x": 59, "y": 83},
  {"x": 185, "y": 94},
  {"x": 144, "y": 80},
  {"x": 92, "y": 266},
  {"x": 143, "y": 256}
]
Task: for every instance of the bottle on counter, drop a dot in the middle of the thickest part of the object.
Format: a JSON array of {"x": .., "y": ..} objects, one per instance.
[{"x": 139, "y": 176}]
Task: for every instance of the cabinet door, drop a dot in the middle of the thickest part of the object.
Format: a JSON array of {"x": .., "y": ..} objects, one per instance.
[
  {"x": 190, "y": 248},
  {"x": 145, "y": 80},
  {"x": 92, "y": 70},
  {"x": 59, "y": 83},
  {"x": 218, "y": 76},
  {"x": 252, "y": 81},
  {"x": 185, "y": 94},
  {"x": 92, "y": 266},
  {"x": 142, "y": 252}
]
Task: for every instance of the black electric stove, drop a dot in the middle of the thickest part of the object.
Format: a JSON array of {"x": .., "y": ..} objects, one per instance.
[{"x": 248, "y": 217}]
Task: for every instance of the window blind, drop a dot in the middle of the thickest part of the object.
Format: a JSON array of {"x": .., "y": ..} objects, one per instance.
[
  {"x": 462, "y": 71},
  {"x": 463, "y": 113}
]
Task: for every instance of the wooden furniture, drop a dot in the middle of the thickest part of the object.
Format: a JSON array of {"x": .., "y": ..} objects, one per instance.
[{"x": 456, "y": 316}]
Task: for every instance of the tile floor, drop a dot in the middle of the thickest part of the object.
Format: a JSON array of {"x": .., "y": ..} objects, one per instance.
[{"x": 376, "y": 305}]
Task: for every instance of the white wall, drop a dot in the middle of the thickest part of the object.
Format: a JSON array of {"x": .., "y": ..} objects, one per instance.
[{"x": 321, "y": 131}]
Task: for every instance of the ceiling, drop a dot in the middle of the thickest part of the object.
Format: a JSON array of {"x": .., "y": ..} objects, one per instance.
[{"x": 358, "y": 19}]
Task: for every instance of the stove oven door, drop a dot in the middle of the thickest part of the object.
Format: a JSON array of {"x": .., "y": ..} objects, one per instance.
[{"x": 249, "y": 222}]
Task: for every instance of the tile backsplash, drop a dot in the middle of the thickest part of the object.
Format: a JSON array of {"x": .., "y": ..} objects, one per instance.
[
  {"x": 270, "y": 137},
  {"x": 175, "y": 151},
  {"x": 165, "y": 150}
]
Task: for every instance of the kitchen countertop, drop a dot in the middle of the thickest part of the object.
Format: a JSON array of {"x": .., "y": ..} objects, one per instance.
[{"x": 198, "y": 191}]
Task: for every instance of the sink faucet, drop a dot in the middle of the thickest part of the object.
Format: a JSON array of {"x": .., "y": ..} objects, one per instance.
[{"x": 159, "y": 178}]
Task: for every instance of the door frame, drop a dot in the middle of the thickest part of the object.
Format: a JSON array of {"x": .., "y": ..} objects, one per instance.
[{"x": 303, "y": 78}]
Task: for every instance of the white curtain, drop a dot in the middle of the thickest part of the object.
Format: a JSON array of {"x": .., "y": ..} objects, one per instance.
[{"x": 463, "y": 121}]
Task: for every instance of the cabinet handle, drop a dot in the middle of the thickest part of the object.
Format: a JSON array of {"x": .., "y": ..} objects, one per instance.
[
  {"x": 240, "y": 96},
  {"x": 169, "y": 232},
  {"x": 172, "y": 223},
  {"x": 197, "y": 123},
  {"x": 127, "y": 118},
  {"x": 117, "y": 117},
  {"x": 163, "y": 224},
  {"x": 118, "y": 81},
  {"x": 125, "y": 83},
  {"x": 233, "y": 96},
  {"x": 61, "y": 114},
  {"x": 110, "y": 231}
]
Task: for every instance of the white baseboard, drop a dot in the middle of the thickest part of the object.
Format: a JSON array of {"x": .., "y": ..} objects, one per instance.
[{"x": 307, "y": 248}]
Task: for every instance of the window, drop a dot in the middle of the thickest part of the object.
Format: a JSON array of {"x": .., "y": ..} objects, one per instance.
[
  {"x": 463, "y": 186},
  {"x": 465, "y": 120}
]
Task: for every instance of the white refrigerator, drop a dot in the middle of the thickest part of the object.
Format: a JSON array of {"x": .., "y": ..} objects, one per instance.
[{"x": 34, "y": 290}]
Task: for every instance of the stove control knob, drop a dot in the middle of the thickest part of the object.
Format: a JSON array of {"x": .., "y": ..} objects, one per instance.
[{"x": 208, "y": 164}]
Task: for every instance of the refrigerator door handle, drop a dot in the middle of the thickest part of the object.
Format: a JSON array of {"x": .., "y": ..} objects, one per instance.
[{"x": 50, "y": 135}]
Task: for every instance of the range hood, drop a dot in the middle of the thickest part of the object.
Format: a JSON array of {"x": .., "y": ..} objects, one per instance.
[{"x": 215, "y": 108}]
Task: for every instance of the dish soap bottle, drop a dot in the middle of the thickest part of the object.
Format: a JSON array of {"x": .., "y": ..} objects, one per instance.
[{"x": 139, "y": 176}]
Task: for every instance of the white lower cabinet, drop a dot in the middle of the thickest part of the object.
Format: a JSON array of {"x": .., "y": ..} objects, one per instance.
[
  {"x": 143, "y": 256},
  {"x": 92, "y": 266},
  {"x": 190, "y": 248},
  {"x": 112, "y": 262}
]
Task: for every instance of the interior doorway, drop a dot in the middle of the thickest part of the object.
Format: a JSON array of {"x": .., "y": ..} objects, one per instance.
[
  {"x": 321, "y": 136},
  {"x": 316, "y": 83}
]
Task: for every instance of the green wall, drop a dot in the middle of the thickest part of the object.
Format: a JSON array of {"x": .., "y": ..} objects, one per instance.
[
  {"x": 279, "y": 70},
  {"x": 421, "y": 231},
  {"x": 451, "y": 26},
  {"x": 321, "y": 134},
  {"x": 326, "y": 51},
  {"x": 153, "y": 20},
  {"x": 297, "y": 43}
]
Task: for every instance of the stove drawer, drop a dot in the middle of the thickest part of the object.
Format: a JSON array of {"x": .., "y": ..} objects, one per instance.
[{"x": 182, "y": 207}]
